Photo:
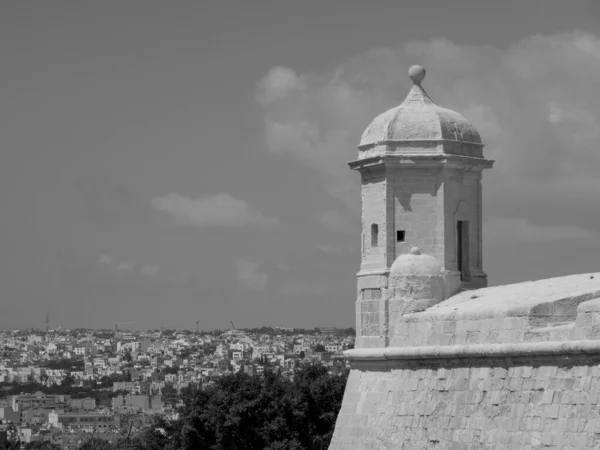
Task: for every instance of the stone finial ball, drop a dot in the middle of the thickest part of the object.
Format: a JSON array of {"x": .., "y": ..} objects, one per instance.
[
  {"x": 416, "y": 73},
  {"x": 415, "y": 251}
]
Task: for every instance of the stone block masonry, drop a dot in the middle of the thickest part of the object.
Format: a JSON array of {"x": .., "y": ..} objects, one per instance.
[
  {"x": 473, "y": 403},
  {"x": 514, "y": 366}
]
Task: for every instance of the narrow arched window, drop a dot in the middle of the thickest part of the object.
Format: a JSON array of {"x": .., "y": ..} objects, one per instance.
[{"x": 374, "y": 235}]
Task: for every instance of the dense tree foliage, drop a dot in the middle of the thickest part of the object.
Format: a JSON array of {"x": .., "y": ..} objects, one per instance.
[
  {"x": 41, "y": 446},
  {"x": 262, "y": 330},
  {"x": 98, "y": 391},
  {"x": 319, "y": 348},
  {"x": 74, "y": 364},
  {"x": 252, "y": 412},
  {"x": 346, "y": 332},
  {"x": 9, "y": 439},
  {"x": 96, "y": 444}
]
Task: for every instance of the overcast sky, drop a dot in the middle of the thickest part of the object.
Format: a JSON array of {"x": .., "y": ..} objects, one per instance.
[{"x": 168, "y": 162}]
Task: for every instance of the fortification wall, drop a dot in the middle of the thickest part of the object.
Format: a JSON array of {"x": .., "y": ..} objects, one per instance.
[
  {"x": 472, "y": 403},
  {"x": 515, "y": 366}
]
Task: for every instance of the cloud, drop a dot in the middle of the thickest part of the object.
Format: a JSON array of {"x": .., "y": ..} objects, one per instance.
[
  {"x": 102, "y": 198},
  {"x": 182, "y": 277},
  {"x": 150, "y": 270},
  {"x": 124, "y": 266},
  {"x": 331, "y": 249},
  {"x": 535, "y": 103},
  {"x": 105, "y": 260},
  {"x": 111, "y": 263},
  {"x": 337, "y": 222},
  {"x": 306, "y": 288},
  {"x": 519, "y": 230},
  {"x": 249, "y": 276},
  {"x": 211, "y": 210},
  {"x": 278, "y": 84}
]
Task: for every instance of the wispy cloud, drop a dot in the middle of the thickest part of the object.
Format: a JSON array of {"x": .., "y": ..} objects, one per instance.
[
  {"x": 335, "y": 221},
  {"x": 519, "y": 230},
  {"x": 211, "y": 210},
  {"x": 307, "y": 289},
  {"x": 125, "y": 266},
  {"x": 183, "y": 277},
  {"x": 278, "y": 84},
  {"x": 331, "y": 249},
  {"x": 250, "y": 277},
  {"x": 150, "y": 270},
  {"x": 105, "y": 260},
  {"x": 109, "y": 262}
]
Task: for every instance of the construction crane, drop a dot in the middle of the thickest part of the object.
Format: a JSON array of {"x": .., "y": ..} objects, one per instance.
[
  {"x": 47, "y": 322},
  {"x": 232, "y": 325},
  {"x": 122, "y": 323}
]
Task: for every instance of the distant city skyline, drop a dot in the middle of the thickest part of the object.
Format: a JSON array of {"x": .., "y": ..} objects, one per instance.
[
  {"x": 140, "y": 328},
  {"x": 183, "y": 162}
]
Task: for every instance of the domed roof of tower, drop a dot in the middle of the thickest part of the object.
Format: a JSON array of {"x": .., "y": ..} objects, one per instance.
[
  {"x": 415, "y": 263},
  {"x": 417, "y": 118}
]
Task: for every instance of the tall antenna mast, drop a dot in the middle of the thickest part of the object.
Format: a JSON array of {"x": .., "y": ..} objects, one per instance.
[{"x": 47, "y": 322}]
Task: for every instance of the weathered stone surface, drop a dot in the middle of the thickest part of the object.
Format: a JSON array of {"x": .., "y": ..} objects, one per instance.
[
  {"x": 472, "y": 403},
  {"x": 421, "y": 177},
  {"x": 551, "y": 309},
  {"x": 514, "y": 366},
  {"x": 418, "y": 118}
]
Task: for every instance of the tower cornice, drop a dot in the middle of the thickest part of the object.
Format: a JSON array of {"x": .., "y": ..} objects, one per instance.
[
  {"x": 416, "y": 142},
  {"x": 421, "y": 160}
]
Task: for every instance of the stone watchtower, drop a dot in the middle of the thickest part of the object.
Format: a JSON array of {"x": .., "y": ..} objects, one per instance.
[
  {"x": 421, "y": 168},
  {"x": 442, "y": 361}
]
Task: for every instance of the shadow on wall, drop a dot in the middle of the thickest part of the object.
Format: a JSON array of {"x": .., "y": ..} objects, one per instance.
[{"x": 405, "y": 191}]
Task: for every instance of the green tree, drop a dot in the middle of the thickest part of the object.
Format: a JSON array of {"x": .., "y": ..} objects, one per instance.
[
  {"x": 68, "y": 381},
  {"x": 41, "y": 445},
  {"x": 9, "y": 438},
  {"x": 269, "y": 412},
  {"x": 161, "y": 435},
  {"x": 171, "y": 369},
  {"x": 96, "y": 444}
]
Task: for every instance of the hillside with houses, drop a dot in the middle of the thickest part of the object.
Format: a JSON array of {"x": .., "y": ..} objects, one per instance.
[{"x": 60, "y": 387}]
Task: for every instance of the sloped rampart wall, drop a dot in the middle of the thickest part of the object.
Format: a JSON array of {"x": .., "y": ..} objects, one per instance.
[{"x": 505, "y": 373}]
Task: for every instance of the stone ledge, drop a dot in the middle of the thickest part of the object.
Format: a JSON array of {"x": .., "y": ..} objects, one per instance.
[
  {"x": 476, "y": 351},
  {"x": 418, "y": 143},
  {"x": 419, "y": 159},
  {"x": 542, "y": 298}
]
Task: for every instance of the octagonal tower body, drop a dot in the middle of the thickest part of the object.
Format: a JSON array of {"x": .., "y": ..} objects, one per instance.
[{"x": 421, "y": 168}]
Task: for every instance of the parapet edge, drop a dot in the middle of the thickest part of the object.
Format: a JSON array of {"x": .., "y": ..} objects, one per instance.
[{"x": 586, "y": 347}]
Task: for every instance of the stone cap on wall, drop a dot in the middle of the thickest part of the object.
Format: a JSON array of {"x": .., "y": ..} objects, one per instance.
[{"x": 549, "y": 300}]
